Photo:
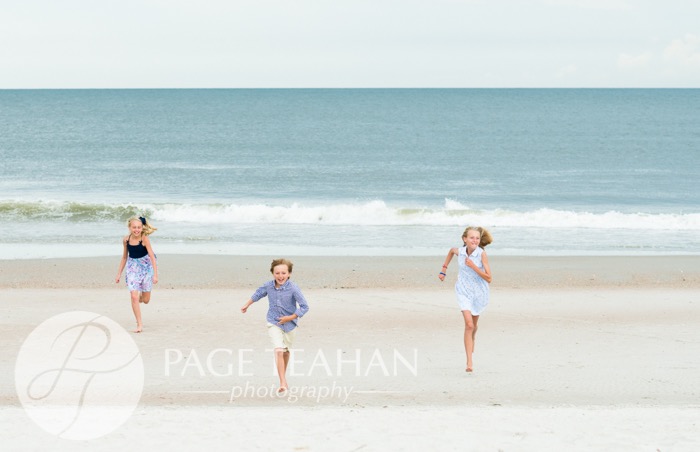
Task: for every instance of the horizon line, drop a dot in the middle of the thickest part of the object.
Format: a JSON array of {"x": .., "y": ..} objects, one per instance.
[{"x": 353, "y": 88}]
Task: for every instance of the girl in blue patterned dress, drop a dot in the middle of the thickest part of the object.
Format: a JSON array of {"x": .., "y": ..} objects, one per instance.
[
  {"x": 140, "y": 262},
  {"x": 472, "y": 286}
]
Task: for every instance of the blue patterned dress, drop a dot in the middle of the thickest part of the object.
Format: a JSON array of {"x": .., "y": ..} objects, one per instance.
[
  {"x": 472, "y": 290},
  {"x": 139, "y": 274}
]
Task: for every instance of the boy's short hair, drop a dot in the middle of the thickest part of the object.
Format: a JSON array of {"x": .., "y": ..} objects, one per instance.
[{"x": 277, "y": 262}]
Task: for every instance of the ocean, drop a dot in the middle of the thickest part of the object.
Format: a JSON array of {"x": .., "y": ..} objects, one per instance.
[{"x": 394, "y": 172}]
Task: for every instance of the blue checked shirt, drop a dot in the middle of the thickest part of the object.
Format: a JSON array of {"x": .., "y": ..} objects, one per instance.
[{"x": 283, "y": 301}]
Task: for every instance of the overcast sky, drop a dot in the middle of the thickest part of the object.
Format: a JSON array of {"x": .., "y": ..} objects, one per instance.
[{"x": 349, "y": 43}]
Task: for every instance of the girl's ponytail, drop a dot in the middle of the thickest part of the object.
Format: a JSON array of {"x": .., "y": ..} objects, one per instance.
[
  {"x": 148, "y": 229},
  {"x": 485, "y": 237}
]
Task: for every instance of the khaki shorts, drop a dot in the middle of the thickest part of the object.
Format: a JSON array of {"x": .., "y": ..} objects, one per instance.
[{"x": 280, "y": 339}]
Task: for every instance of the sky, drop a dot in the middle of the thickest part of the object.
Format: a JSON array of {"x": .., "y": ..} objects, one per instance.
[{"x": 349, "y": 43}]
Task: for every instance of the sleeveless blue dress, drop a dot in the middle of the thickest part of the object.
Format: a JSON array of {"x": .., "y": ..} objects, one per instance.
[{"x": 472, "y": 290}]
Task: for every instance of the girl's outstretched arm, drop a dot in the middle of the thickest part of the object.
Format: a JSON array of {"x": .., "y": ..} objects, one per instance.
[
  {"x": 122, "y": 263},
  {"x": 448, "y": 258}
]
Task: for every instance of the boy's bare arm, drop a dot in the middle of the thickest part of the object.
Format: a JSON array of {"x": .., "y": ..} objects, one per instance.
[{"x": 246, "y": 306}]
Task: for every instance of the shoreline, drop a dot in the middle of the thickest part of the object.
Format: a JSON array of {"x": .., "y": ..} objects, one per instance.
[{"x": 178, "y": 271}]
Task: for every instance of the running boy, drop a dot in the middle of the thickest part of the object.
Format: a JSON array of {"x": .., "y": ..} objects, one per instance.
[{"x": 287, "y": 305}]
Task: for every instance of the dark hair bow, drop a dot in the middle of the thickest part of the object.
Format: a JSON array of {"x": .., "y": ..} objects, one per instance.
[{"x": 143, "y": 220}]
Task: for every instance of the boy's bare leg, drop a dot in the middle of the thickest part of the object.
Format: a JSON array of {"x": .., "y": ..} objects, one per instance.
[{"x": 281, "y": 363}]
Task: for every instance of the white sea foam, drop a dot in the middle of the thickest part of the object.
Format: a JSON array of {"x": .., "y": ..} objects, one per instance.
[
  {"x": 371, "y": 213},
  {"x": 378, "y": 213}
]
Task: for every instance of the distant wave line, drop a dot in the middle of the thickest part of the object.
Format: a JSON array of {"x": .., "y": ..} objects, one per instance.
[{"x": 370, "y": 213}]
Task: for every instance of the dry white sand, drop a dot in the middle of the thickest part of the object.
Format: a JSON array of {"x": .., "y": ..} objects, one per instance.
[{"x": 572, "y": 353}]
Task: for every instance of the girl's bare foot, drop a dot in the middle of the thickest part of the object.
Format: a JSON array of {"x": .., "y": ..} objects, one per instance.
[
  {"x": 469, "y": 369},
  {"x": 138, "y": 329},
  {"x": 282, "y": 390}
]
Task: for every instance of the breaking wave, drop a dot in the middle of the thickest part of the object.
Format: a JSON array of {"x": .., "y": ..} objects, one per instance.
[{"x": 371, "y": 213}]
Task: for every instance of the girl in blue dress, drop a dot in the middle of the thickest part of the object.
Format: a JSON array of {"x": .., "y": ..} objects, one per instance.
[{"x": 472, "y": 285}]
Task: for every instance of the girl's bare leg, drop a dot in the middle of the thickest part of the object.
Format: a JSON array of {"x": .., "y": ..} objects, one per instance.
[
  {"x": 476, "y": 327},
  {"x": 145, "y": 297},
  {"x": 469, "y": 331},
  {"x": 137, "y": 310}
]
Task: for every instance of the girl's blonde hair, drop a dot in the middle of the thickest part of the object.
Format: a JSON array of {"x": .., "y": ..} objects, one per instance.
[
  {"x": 483, "y": 233},
  {"x": 277, "y": 262},
  {"x": 147, "y": 228}
]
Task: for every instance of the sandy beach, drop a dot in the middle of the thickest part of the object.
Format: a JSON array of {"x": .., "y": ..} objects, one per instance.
[{"x": 578, "y": 353}]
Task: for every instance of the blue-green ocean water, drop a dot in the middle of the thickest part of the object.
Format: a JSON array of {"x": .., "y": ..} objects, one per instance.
[{"x": 385, "y": 171}]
